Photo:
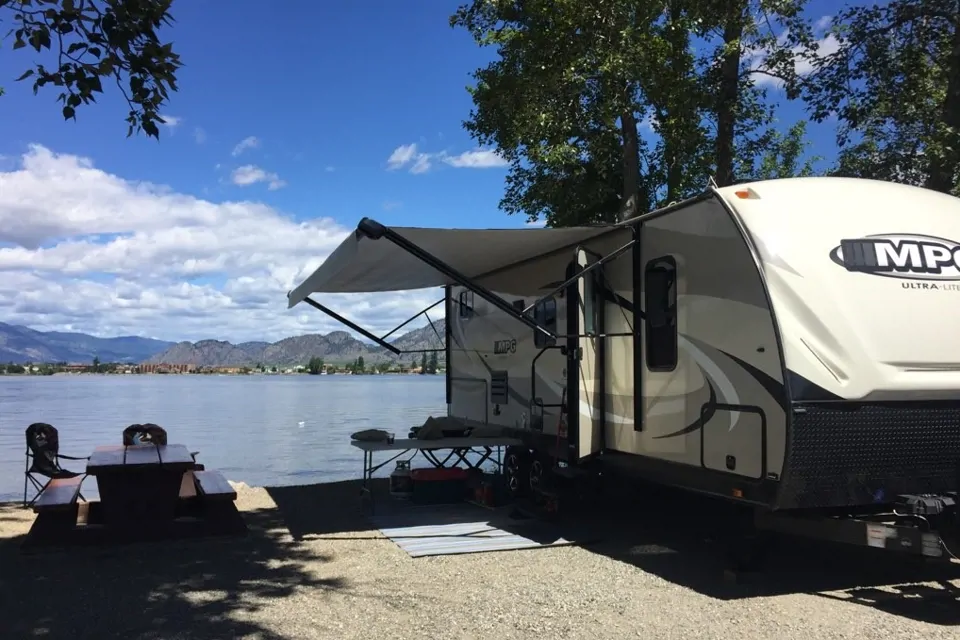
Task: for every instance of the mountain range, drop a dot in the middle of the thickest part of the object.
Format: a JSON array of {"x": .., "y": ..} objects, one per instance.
[
  {"x": 21, "y": 344},
  {"x": 338, "y": 347}
]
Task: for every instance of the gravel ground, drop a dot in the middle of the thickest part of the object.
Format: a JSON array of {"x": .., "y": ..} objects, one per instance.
[{"x": 311, "y": 568}]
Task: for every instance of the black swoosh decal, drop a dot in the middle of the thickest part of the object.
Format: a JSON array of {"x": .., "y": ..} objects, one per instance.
[
  {"x": 705, "y": 416},
  {"x": 771, "y": 386}
]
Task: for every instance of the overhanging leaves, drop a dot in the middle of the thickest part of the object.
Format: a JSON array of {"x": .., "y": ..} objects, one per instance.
[{"x": 98, "y": 40}]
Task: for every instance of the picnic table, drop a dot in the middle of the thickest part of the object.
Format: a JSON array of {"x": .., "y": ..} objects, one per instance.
[{"x": 139, "y": 484}]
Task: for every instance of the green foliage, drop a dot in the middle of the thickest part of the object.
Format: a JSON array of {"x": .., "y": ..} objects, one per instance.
[
  {"x": 93, "y": 42},
  {"x": 894, "y": 87},
  {"x": 423, "y": 363},
  {"x": 433, "y": 364},
  {"x": 358, "y": 366},
  {"x": 574, "y": 87},
  {"x": 315, "y": 366},
  {"x": 784, "y": 155}
]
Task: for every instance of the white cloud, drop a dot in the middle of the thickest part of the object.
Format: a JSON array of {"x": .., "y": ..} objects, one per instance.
[
  {"x": 84, "y": 250},
  {"x": 823, "y": 23},
  {"x": 170, "y": 121},
  {"x": 409, "y": 156},
  {"x": 199, "y": 135},
  {"x": 250, "y": 142},
  {"x": 422, "y": 164},
  {"x": 824, "y": 47},
  {"x": 250, "y": 174},
  {"x": 401, "y": 156},
  {"x": 476, "y": 159},
  {"x": 536, "y": 223}
]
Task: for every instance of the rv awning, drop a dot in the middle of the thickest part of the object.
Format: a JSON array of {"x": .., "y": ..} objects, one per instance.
[{"x": 364, "y": 264}]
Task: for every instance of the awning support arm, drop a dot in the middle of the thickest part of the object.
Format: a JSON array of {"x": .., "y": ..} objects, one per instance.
[
  {"x": 610, "y": 257},
  {"x": 411, "y": 319},
  {"x": 339, "y": 318},
  {"x": 375, "y": 231}
]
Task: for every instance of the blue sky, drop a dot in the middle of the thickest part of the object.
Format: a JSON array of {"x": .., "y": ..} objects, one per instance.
[{"x": 327, "y": 90}]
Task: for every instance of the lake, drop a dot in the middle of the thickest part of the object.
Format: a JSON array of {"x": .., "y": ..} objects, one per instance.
[{"x": 263, "y": 430}]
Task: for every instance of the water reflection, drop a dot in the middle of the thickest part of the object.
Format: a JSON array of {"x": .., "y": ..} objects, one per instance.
[{"x": 262, "y": 430}]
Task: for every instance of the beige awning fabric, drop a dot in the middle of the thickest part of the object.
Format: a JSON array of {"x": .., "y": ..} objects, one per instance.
[{"x": 362, "y": 265}]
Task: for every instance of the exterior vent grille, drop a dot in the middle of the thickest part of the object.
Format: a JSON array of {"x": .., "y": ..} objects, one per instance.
[{"x": 498, "y": 387}]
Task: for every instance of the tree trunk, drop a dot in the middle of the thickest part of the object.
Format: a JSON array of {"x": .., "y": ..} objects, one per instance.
[
  {"x": 631, "y": 165},
  {"x": 943, "y": 168},
  {"x": 728, "y": 95}
]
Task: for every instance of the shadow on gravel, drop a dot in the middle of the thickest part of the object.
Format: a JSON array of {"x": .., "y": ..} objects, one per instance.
[
  {"x": 683, "y": 538},
  {"x": 680, "y": 537},
  {"x": 194, "y": 589},
  {"x": 316, "y": 510}
]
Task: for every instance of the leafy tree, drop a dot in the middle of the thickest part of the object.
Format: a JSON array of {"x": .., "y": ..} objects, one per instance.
[
  {"x": 894, "y": 87},
  {"x": 751, "y": 38},
  {"x": 573, "y": 89},
  {"x": 562, "y": 105},
  {"x": 315, "y": 366},
  {"x": 784, "y": 155},
  {"x": 96, "y": 364},
  {"x": 432, "y": 366},
  {"x": 359, "y": 366},
  {"x": 16, "y": 368},
  {"x": 92, "y": 42}
]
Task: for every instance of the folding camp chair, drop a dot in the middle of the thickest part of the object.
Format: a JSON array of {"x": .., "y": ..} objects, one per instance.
[
  {"x": 150, "y": 433},
  {"x": 43, "y": 459},
  {"x": 144, "y": 434}
]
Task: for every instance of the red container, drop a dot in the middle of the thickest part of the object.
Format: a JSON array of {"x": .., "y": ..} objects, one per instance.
[{"x": 438, "y": 474}]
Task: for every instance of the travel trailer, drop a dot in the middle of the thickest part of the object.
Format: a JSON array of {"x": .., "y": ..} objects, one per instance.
[{"x": 789, "y": 344}]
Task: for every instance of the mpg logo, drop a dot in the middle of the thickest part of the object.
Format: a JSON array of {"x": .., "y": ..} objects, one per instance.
[{"x": 900, "y": 255}]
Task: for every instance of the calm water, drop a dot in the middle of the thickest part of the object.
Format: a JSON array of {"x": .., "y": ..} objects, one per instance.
[{"x": 262, "y": 430}]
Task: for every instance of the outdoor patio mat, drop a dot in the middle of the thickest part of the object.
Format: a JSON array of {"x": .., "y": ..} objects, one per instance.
[{"x": 438, "y": 530}]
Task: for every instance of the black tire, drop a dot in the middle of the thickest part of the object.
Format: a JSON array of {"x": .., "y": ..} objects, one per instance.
[
  {"x": 516, "y": 471},
  {"x": 538, "y": 476}
]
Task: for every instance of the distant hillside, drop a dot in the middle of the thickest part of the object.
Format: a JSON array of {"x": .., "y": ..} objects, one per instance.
[
  {"x": 338, "y": 347},
  {"x": 22, "y": 344}
]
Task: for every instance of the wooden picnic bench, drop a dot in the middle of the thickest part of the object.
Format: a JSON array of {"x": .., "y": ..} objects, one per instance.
[
  {"x": 59, "y": 494},
  {"x": 147, "y": 492},
  {"x": 212, "y": 485}
]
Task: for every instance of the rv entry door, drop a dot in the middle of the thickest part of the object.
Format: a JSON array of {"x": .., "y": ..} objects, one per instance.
[{"x": 586, "y": 393}]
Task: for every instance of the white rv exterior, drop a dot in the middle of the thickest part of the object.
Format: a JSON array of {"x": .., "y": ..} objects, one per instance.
[
  {"x": 788, "y": 343},
  {"x": 767, "y": 326}
]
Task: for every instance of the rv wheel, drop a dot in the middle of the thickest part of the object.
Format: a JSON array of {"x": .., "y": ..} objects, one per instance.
[
  {"x": 537, "y": 476},
  {"x": 516, "y": 465}
]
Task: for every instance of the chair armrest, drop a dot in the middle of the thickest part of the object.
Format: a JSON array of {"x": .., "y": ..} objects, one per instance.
[{"x": 66, "y": 457}]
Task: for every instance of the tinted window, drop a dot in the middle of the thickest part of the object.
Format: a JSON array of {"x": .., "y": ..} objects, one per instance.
[
  {"x": 466, "y": 304},
  {"x": 660, "y": 307},
  {"x": 545, "y": 314}
]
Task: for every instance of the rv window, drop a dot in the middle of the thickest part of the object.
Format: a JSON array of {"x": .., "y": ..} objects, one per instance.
[
  {"x": 589, "y": 304},
  {"x": 545, "y": 314},
  {"x": 466, "y": 304},
  {"x": 660, "y": 306}
]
